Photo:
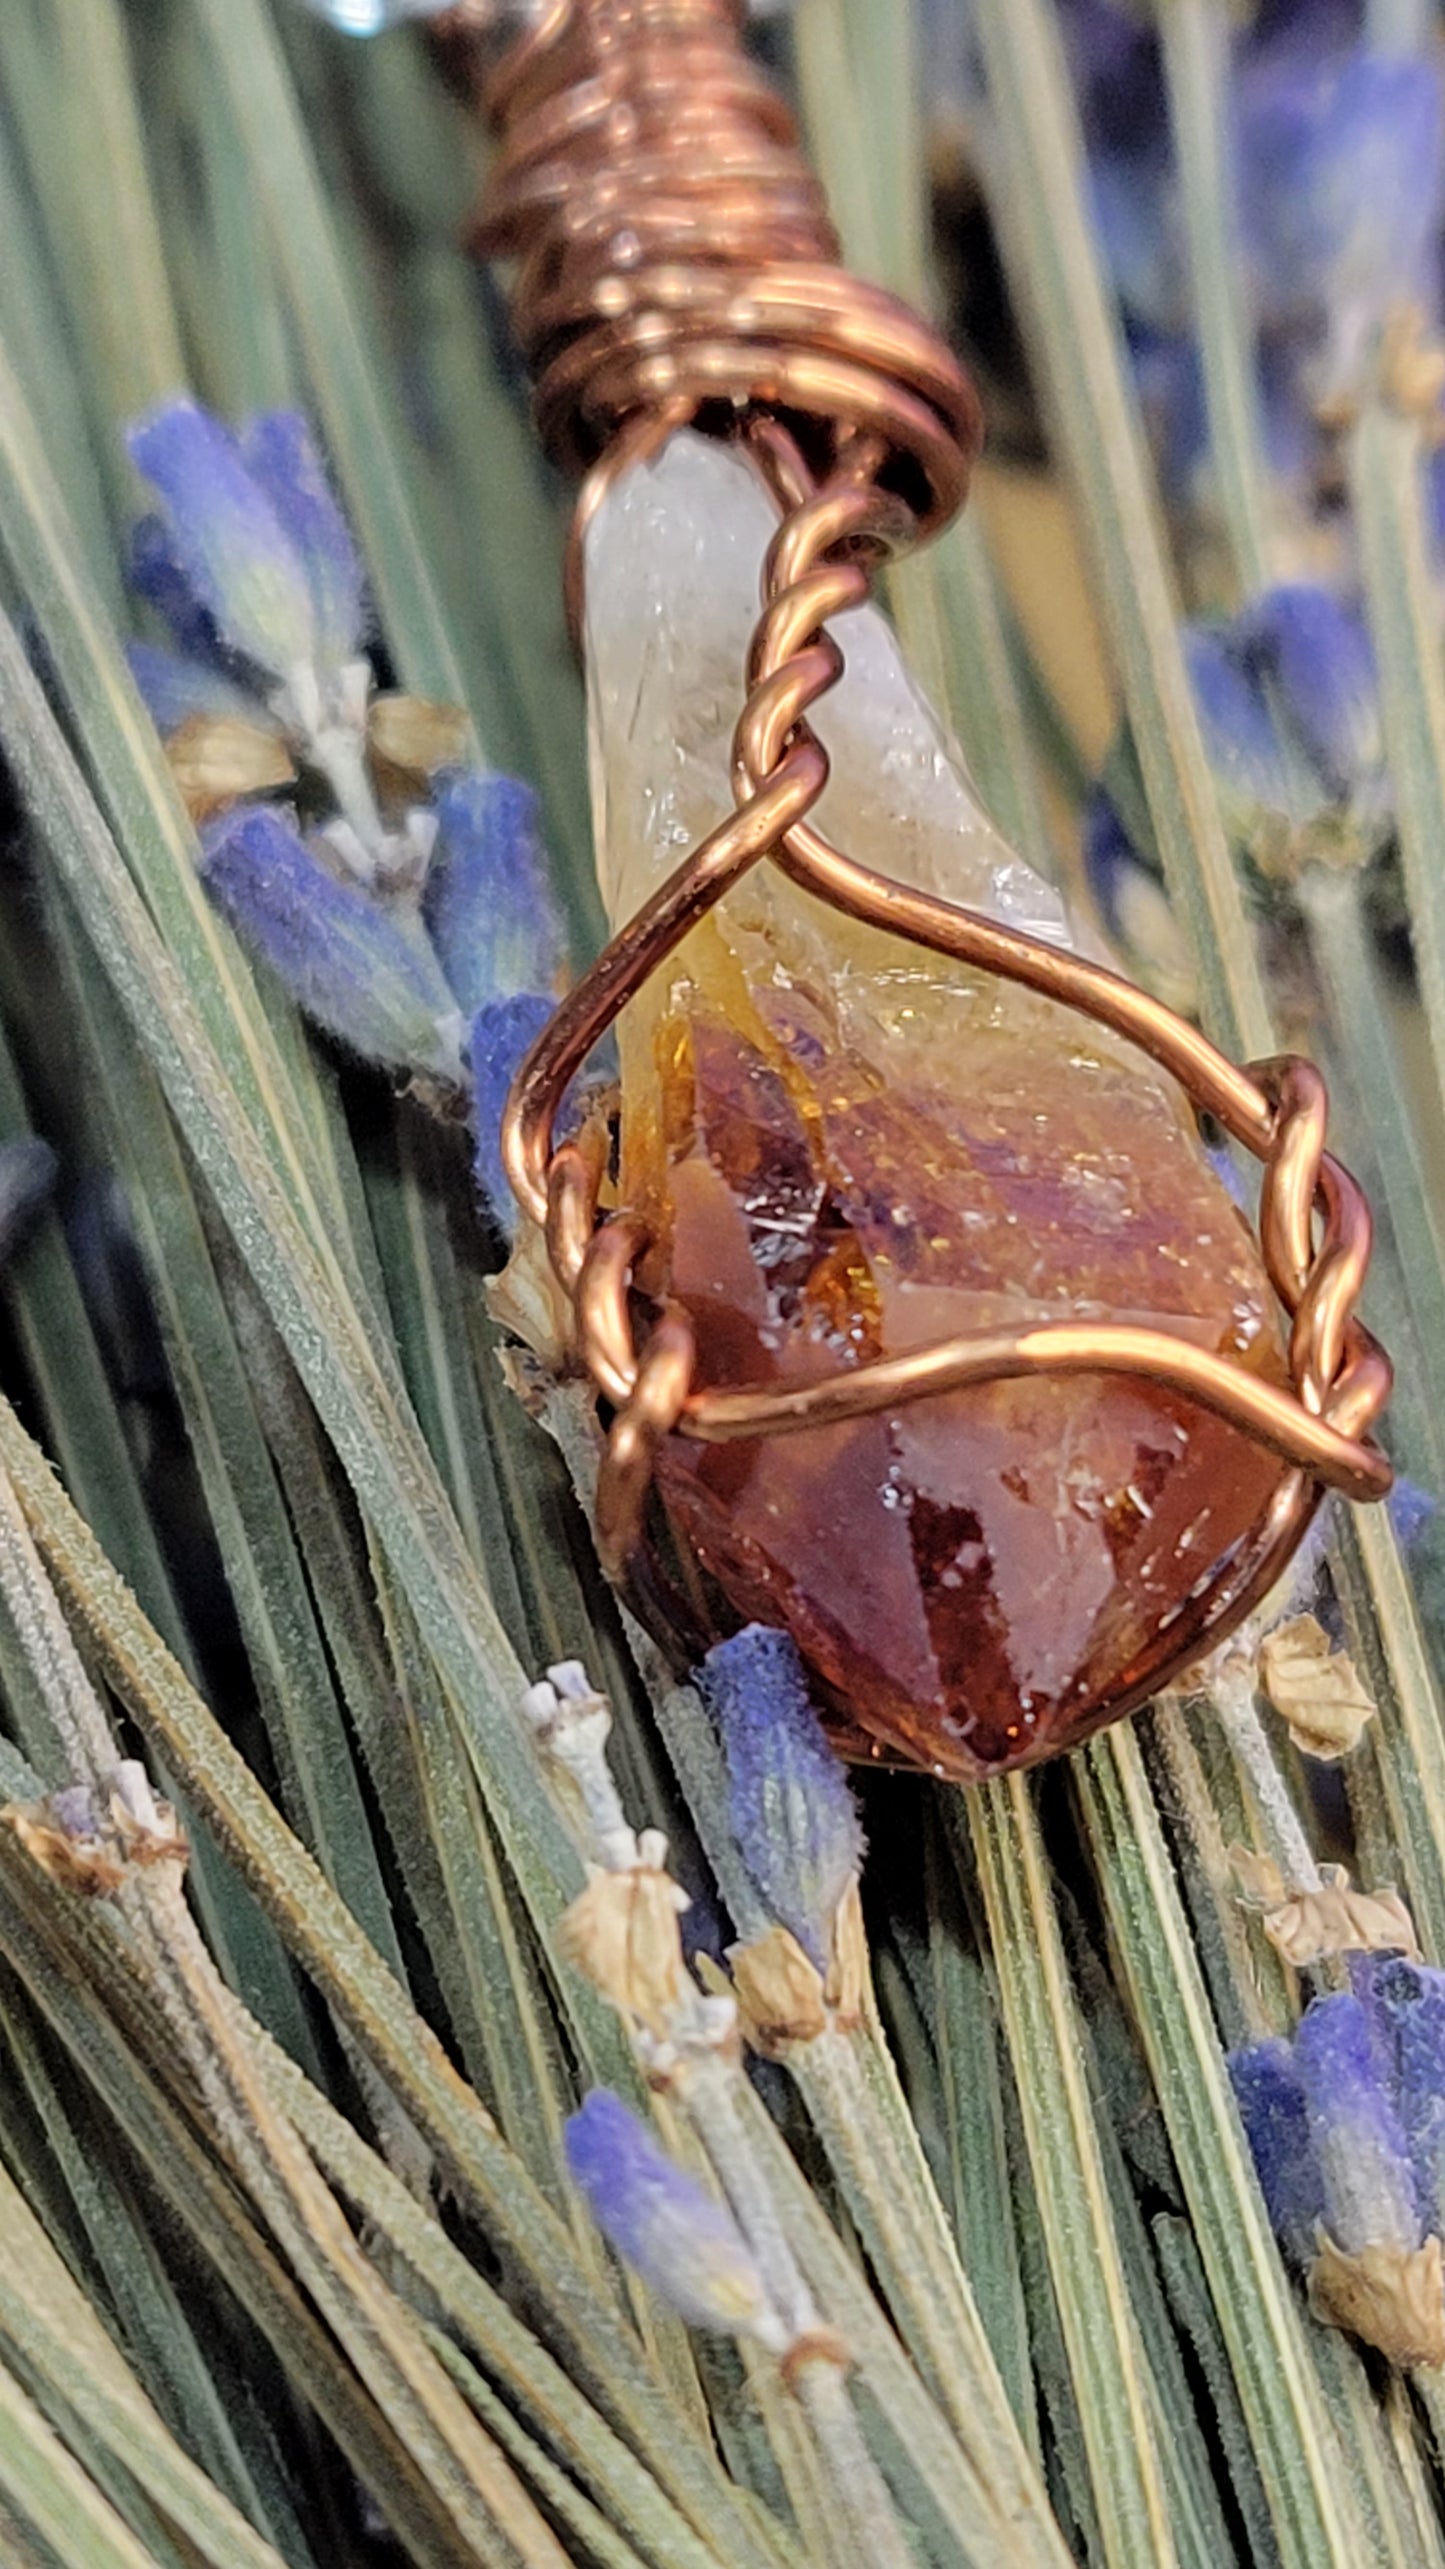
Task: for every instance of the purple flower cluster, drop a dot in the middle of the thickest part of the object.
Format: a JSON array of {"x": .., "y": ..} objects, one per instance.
[
  {"x": 1288, "y": 704},
  {"x": 1346, "y": 2121},
  {"x": 1335, "y": 152},
  {"x": 1338, "y": 148},
  {"x": 791, "y": 1806},
  {"x": 683, "y": 2242},
  {"x": 412, "y": 917}
]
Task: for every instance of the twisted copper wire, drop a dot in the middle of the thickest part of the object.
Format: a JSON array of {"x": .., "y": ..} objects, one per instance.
[{"x": 674, "y": 252}]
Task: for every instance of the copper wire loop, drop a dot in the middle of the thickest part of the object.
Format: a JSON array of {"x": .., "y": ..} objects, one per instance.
[{"x": 674, "y": 251}]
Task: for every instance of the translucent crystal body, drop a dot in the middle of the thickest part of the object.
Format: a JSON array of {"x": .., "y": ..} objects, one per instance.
[{"x": 849, "y": 1148}]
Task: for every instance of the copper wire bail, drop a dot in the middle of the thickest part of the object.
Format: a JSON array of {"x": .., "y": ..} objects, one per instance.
[{"x": 676, "y": 264}]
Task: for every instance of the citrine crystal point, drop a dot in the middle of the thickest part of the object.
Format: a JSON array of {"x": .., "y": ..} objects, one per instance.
[{"x": 849, "y": 1148}]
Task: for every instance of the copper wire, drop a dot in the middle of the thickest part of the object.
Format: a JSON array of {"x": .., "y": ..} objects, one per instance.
[
  {"x": 674, "y": 255},
  {"x": 674, "y": 250}
]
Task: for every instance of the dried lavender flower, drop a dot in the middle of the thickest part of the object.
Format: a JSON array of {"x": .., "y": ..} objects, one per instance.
[
  {"x": 1342, "y": 180},
  {"x": 176, "y": 689},
  {"x": 502, "y": 1034},
  {"x": 791, "y": 1806},
  {"x": 1359, "y": 2143},
  {"x": 678, "y": 2237},
  {"x": 493, "y": 915},
  {"x": 1346, "y": 2125},
  {"x": 285, "y": 462},
  {"x": 343, "y": 959},
  {"x": 231, "y": 554},
  {"x": 1275, "y": 2113},
  {"x": 1318, "y": 655},
  {"x": 1288, "y": 705},
  {"x": 1409, "y": 1999}
]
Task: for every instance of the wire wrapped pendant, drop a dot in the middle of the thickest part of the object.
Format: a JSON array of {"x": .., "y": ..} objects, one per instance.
[{"x": 913, "y": 1294}]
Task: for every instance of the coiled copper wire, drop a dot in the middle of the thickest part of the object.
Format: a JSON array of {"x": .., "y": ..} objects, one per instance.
[
  {"x": 676, "y": 263},
  {"x": 674, "y": 251}
]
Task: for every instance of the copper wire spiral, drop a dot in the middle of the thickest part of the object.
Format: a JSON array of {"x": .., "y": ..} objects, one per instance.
[{"x": 676, "y": 264}]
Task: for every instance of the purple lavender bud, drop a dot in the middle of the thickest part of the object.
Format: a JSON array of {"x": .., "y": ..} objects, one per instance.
[
  {"x": 501, "y": 1037},
  {"x": 282, "y": 455},
  {"x": 680, "y": 2239},
  {"x": 1136, "y": 215},
  {"x": 1410, "y": 1509},
  {"x": 1133, "y": 903},
  {"x": 1319, "y": 655},
  {"x": 231, "y": 546},
  {"x": 175, "y": 689},
  {"x": 155, "y": 573},
  {"x": 1342, "y": 172},
  {"x": 1169, "y": 381},
  {"x": 1111, "y": 864},
  {"x": 1275, "y": 2115},
  {"x": 1259, "y": 794},
  {"x": 792, "y": 1811},
  {"x": 349, "y": 965},
  {"x": 27, "y": 1176},
  {"x": 1411, "y": 2000},
  {"x": 502, "y": 1034},
  {"x": 1114, "y": 57},
  {"x": 490, "y": 907},
  {"x": 1364, "y": 2158}
]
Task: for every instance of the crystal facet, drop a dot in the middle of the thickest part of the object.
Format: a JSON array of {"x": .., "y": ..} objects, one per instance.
[{"x": 848, "y": 1147}]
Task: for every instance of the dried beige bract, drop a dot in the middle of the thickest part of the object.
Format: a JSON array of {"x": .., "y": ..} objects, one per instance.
[
  {"x": 96, "y": 1859},
  {"x": 1309, "y": 1926},
  {"x": 1391, "y": 2297},
  {"x": 410, "y": 738},
  {"x": 782, "y": 1996},
  {"x": 1315, "y": 1688},
  {"x": 215, "y": 758},
  {"x": 86, "y": 1865},
  {"x": 621, "y": 1932},
  {"x": 779, "y": 1991}
]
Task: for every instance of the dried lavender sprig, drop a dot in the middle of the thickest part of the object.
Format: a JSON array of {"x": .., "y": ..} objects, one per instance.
[
  {"x": 422, "y": 931},
  {"x": 687, "y": 2043},
  {"x": 685, "y": 2039},
  {"x": 1232, "y": 1690},
  {"x": 110, "y": 1820},
  {"x": 1345, "y": 2123},
  {"x": 852, "y": 2092},
  {"x": 793, "y": 1814}
]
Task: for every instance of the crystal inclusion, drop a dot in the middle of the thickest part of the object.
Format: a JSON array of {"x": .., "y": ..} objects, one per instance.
[{"x": 849, "y": 1148}]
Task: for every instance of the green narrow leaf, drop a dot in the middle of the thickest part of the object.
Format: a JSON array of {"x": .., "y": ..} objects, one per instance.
[
  {"x": 48, "y": 2322},
  {"x": 53, "y": 2494},
  {"x": 1038, "y": 189},
  {"x": 1386, "y": 458},
  {"x": 1116, "y": 2407},
  {"x": 355, "y": 407},
  {"x": 861, "y": 88},
  {"x": 969, "y": 2041},
  {"x": 1040, "y": 196},
  {"x": 1194, "y": 38},
  {"x": 376, "y": 1439},
  {"x": 160, "y": 2341},
  {"x": 211, "y": 1363},
  {"x": 322, "y": 1933},
  {"x": 1303, "y": 2471}
]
